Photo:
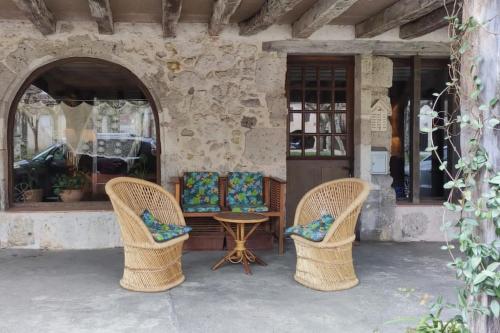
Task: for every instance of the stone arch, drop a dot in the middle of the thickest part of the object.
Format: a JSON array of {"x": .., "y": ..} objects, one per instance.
[{"x": 16, "y": 87}]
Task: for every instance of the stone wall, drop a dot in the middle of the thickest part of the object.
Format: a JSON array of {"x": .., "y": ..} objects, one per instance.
[{"x": 221, "y": 100}]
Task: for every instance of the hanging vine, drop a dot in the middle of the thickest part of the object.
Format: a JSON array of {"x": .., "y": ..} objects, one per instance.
[{"x": 474, "y": 186}]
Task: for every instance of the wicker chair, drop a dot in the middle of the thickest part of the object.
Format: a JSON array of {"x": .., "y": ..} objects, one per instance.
[
  {"x": 328, "y": 265},
  {"x": 149, "y": 266}
]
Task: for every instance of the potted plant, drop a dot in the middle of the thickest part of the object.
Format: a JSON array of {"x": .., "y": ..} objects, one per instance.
[
  {"x": 70, "y": 187},
  {"x": 29, "y": 190}
]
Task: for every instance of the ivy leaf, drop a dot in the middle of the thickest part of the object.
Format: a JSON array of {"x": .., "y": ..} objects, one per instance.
[
  {"x": 495, "y": 308},
  {"x": 493, "y": 102},
  {"x": 492, "y": 267},
  {"x": 475, "y": 261},
  {"x": 493, "y": 122},
  {"x": 443, "y": 165},
  {"x": 495, "y": 180},
  {"x": 480, "y": 278}
]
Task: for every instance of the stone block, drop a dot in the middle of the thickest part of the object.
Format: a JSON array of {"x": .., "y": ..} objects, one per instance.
[
  {"x": 382, "y": 72},
  {"x": 270, "y": 74},
  {"x": 265, "y": 145}
]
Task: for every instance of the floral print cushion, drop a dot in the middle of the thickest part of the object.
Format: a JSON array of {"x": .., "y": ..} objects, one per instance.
[
  {"x": 200, "y": 188},
  {"x": 201, "y": 208},
  {"x": 244, "y": 189},
  {"x": 249, "y": 209},
  {"x": 163, "y": 232},
  {"x": 315, "y": 230}
]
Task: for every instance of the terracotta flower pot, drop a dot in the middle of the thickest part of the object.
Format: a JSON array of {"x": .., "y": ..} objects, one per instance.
[
  {"x": 71, "y": 195},
  {"x": 33, "y": 195}
]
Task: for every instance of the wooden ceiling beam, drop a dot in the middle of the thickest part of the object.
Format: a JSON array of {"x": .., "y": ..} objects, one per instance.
[
  {"x": 269, "y": 13},
  {"x": 171, "y": 11},
  {"x": 399, "y": 13},
  {"x": 221, "y": 14},
  {"x": 320, "y": 14},
  {"x": 426, "y": 24},
  {"x": 352, "y": 47},
  {"x": 38, "y": 13},
  {"x": 101, "y": 12}
]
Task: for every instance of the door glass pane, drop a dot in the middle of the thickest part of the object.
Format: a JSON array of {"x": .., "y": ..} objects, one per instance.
[
  {"x": 340, "y": 123},
  {"x": 325, "y": 100},
  {"x": 325, "y": 77},
  {"x": 325, "y": 146},
  {"x": 325, "y": 123},
  {"x": 310, "y": 123},
  {"x": 295, "y": 76},
  {"x": 339, "y": 146},
  {"x": 311, "y": 100},
  {"x": 295, "y": 99},
  {"x": 340, "y": 77},
  {"x": 340, "y": 100},
  {"x": 310, "y": 145},
  {"x": 295, "y": 145},
  {"x": 295, "y": 123},
  {"x": 310, "y": 77}
]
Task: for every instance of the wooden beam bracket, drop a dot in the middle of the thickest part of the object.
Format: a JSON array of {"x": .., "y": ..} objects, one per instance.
[
  {"x": 38, "y": 13},
  {"x": 221, "y": 14},
  {"x": 171, "y": 12},
  {"x": 101, "y": 12}
]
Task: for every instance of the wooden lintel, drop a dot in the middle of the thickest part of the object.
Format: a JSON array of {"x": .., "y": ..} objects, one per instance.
[
  {"x": 320, "y": 14},
  {"x": 101, "y": 12},
  {"x": 270, "y": 12},
  {"x": 171, "y": 11},
  {"x": 38, "y": 13},
  {"x": 221, "y": 14},
  {"x": 351, "y": 47},
  {"x": 399, "y": 13},
  {"x": 425, "y": 24}
]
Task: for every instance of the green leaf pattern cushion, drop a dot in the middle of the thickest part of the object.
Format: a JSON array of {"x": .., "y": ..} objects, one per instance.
[
  {"x": 315, "y": 230},
  {"x": 244, "y": 191},
  {"x": 201, "y": 208},
  {"x": 249, "y": 209},
  {"x": 162, "y": 232},
  {"x": 201, "y": 188}
]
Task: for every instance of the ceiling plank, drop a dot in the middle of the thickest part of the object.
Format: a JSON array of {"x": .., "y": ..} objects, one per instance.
[
  {"x": 351, "y": 47},
  {"x": 38, "y": 13},
  {"x": 322, "y": 13},
  {"x": 425, "y": 24},
  {"x": 222, "y": 12},
  {"x": 399, "y": 13},
  {"x": 101, "y": 12},
  {"x": 269, "y": 13},
  {"x": 171, "y": 11}
]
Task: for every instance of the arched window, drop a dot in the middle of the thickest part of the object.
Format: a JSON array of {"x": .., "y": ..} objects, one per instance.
[{"x": 76, "y": 124}]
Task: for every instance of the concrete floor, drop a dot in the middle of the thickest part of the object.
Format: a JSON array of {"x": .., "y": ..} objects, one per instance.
[{"x": 78, "y": 291}]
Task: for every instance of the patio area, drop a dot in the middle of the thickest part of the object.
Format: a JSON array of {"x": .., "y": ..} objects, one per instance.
[{"x": 78, "y": 291}]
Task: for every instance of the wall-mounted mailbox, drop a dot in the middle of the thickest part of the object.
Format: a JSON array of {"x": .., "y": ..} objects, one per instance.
[{"x": 380, "y": 161}]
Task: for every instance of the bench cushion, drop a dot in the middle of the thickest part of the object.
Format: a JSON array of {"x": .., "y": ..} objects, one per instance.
[
  {"x": 315, "y": 230},
  {"x": 162, "y": 232},
  {"x": 200, "y": 188},
  {"x": 249, "y": 209},
  {"x": 200, "y": 208},
  {"x": 244, "y": 189}
]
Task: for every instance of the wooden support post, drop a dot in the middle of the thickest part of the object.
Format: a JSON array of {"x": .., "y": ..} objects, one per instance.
[{"x": 415, "y": 130}]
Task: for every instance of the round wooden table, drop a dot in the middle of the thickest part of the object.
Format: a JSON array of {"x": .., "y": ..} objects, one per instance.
[{"x": 240, "y": 254}]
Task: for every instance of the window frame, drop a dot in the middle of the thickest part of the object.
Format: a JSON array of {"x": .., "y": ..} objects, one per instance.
[
  {"x": 318, "y": 61},
  {"x": 416, "y": 64},
  {"x": 63, "y": 206}
]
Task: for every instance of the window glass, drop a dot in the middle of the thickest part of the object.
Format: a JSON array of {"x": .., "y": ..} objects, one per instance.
[{"x": 73, "y": 133}]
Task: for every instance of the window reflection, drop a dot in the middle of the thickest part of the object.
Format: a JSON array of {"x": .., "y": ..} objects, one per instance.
[{"x": 75, "y": 144}]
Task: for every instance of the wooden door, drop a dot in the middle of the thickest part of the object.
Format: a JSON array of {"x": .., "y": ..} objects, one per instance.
[{"x": 320, "y": 123}]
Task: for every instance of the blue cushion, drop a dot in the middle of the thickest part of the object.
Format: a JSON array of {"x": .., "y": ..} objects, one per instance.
[
  {"x": 244, "y": 189},
  {"x": 200, "y": 208},
  {"x": 201, "y": 188},
  {"x": 162, "y": 232},
  {"x": 249, "y": 209},
  {"x": 315, "y": 230}
]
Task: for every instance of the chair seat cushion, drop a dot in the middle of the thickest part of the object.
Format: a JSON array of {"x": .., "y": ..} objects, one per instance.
[
  {"x": 249, "y": 208},
  {"x": 201, "y": 188},
  {"x": 315, "y": 230},
  {"x": 163, "y": 232},
  {"x": 200, "y": 208}
]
